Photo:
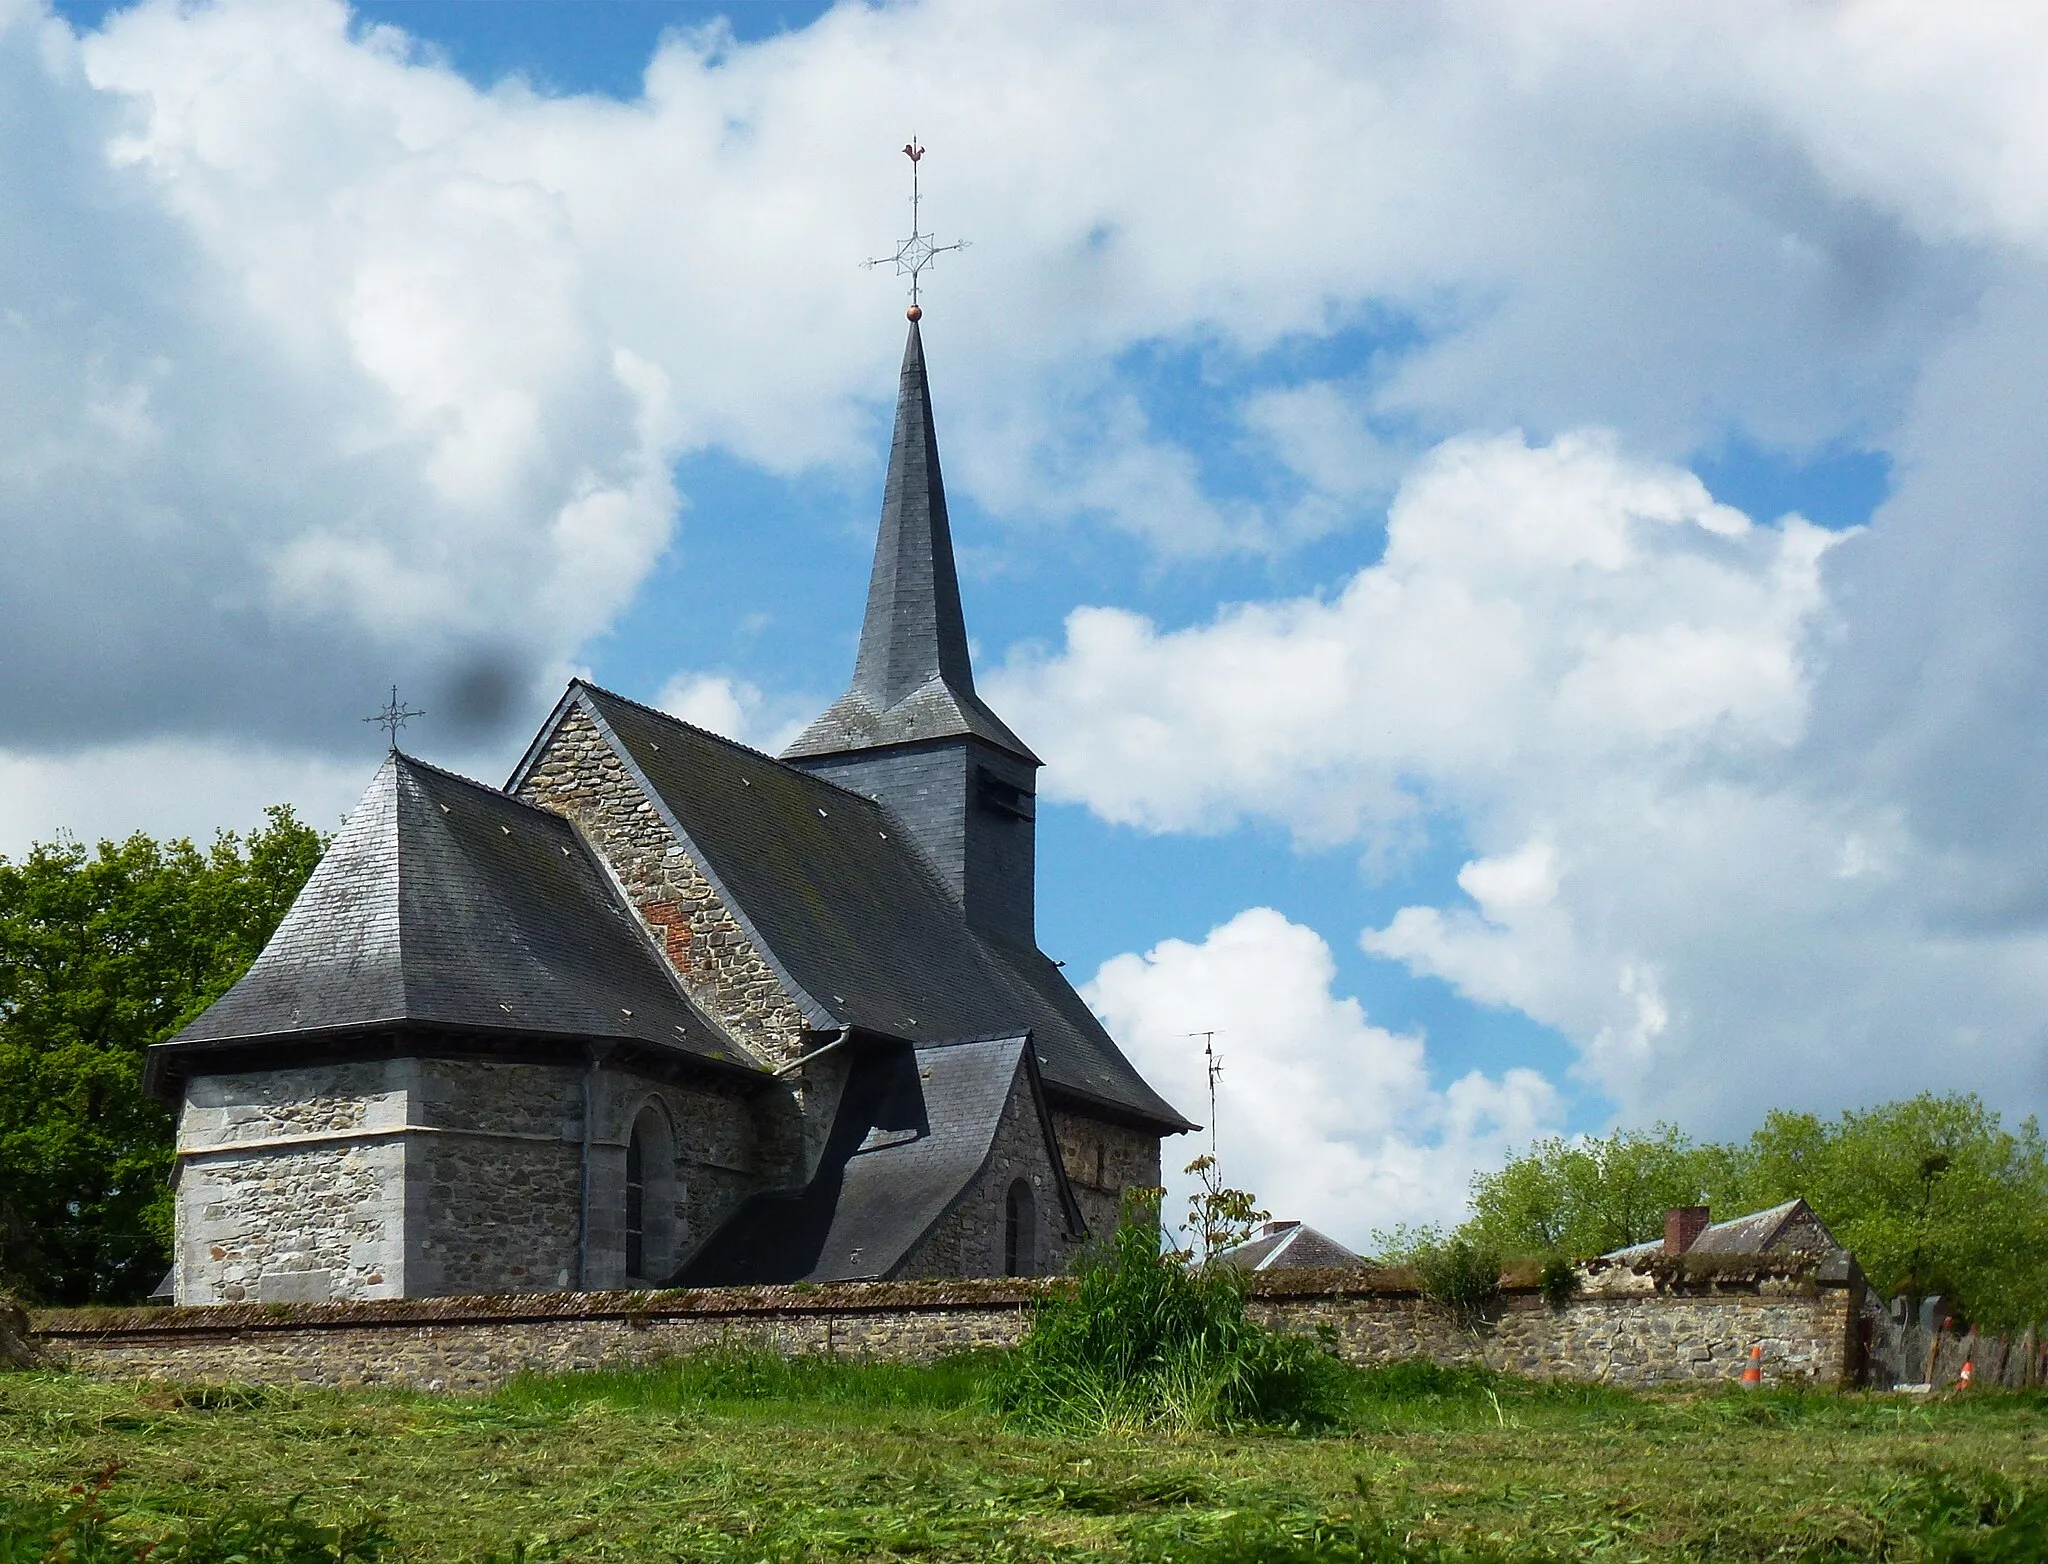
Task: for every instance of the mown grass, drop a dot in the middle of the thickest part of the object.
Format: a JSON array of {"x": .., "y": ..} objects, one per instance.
[{"x": 744, "y": 1458}]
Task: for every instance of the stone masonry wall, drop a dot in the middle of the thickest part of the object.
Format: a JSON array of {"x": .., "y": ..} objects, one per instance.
[
  {"x": 290, "y": 1185},
  {"x": 420, "y": 1178},
  {"x": 579, "y": 775},
  {"x": 1103, "y": 1159},
  {"x": 494, "y": 1177},
  {"x": 971, "y": 1240},
  {"x": 1642, "y": 1327}
]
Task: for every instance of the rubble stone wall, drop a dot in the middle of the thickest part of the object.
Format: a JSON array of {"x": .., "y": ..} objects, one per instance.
[
  {"x": 1102, "y": 1160},
  {"x": 291, "y": 1185},
  {"x": 580, "y": 775},
  {"x": 1638, "y": 1326},
  {"x": 972, "y": 1239},
  {"x": 423, "y": 1178}
]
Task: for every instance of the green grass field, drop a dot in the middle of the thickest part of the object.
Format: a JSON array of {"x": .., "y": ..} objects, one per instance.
[{"x": 750, "y": 1459}]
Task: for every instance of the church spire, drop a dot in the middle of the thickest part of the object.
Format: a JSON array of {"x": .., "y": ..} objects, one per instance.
[
  {"x": 912, "y": 680},
  {"x": 914, "y": 631}
]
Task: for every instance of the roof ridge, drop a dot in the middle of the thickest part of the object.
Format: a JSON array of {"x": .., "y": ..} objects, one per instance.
[
  {"x": 497, "y": 793},
  {"x": 720, "y": 738}
]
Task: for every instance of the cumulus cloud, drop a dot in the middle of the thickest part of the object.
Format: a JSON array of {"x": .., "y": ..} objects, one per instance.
[
  {"x": 1535, "y": 605},
  {"x": 1604, "y": 681},
  {"x": 737, "y": 709},
  {"x": 326, "y": 367},
  {"x": 1328, "y": 1118},
  {"x": 336, "y": 367}
]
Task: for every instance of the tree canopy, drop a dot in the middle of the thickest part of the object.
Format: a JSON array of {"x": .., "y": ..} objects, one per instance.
[
  {"x": 1933, "y": 1194},
  {"x": 102, "y": 954}
]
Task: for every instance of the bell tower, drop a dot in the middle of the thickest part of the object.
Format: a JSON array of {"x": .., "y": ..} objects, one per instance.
[{"x": 910, "y": 730}]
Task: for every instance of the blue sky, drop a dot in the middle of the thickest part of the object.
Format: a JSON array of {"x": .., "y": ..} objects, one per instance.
[{"x": 1515, "y": 537}]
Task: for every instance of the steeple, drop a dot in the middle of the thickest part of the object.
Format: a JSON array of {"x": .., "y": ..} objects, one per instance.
[
  {"x": 910, "y": 731},
  {"x": 912, "y": 680}
]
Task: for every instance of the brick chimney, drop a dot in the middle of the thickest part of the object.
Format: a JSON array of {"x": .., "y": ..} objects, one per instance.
[{"x": 1683, "y": 1226}]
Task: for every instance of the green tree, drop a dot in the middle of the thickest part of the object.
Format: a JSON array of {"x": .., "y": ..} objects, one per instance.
[
  {"x": 102, "y": 954},
  {"x": 1933, "y": 1194},
  {"x": 1586, "y": 1196}
]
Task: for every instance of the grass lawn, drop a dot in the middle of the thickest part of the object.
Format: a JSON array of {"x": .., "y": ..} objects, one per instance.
[{"x": 748, "y": 1459}]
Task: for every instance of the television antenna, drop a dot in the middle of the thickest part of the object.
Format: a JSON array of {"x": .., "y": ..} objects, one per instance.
[{"x": 1212, "y": 1063}]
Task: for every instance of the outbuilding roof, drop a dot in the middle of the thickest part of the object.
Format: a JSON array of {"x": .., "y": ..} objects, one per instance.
[
  {"x": 1288, "y": 1246},
  {"x": 1760, "y": 1232},
  {"x": 443, "y": 903}
]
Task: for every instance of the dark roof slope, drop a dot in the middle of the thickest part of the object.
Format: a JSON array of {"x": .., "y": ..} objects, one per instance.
[
  {"x": 914, "y": 1128},
  {"x": 1289, "y": 1246},
  {"x": 840, "y": 899},
  {"x": 1791, "y": 1225},
  {"x": 445, "y": 903},
  {"x": 912, "y": 679}
]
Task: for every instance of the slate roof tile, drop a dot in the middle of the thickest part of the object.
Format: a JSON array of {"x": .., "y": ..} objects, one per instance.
[
  {"x": 852, "y": 914},
  {"x": 445, "y": 903},
  {"x": 913, "y": 1130}
]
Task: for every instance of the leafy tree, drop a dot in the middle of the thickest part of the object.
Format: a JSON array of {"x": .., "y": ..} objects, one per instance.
[
  {"x": 102, "y": 954},
  {"x": 1933, "y": 1194},
  {"x": 1589, "y": 1195}
]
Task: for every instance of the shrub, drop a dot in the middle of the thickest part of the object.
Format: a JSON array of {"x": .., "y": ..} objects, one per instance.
[
  {"x": 1459, "y": 1274},
  {"x": 1146, "y": 1340},
  {"x": 1559, "y": 1281}
]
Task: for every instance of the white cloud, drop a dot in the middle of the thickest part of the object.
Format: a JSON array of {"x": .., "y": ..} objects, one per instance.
[
  {"x": 1606, "y": 680},
  {"x": 737, "y": 709},
  {"x": 1534, "y": 605},
  {"x": 337, "y": 368},
  {"x": 162, "y": 787},
  {"x": 1325, "y": 1117}
]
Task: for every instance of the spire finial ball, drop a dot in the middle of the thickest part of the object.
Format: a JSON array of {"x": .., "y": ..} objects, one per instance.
[{"x": 913, "y": 313}]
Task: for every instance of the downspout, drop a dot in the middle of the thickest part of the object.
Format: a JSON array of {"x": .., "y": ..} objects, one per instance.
[{"x": 845, "y": 1035}]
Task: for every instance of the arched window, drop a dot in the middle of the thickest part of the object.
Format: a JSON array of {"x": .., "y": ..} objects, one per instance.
[
  {"x": 1020, "y": 1231},
  {"x": 636, "y": 1204}
]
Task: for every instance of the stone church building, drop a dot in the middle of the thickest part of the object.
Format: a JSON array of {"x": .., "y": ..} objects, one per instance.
[{"x": 666, "y": 1010}]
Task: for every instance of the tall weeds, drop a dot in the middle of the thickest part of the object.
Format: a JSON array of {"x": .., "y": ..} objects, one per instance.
[{"x": 1146, "y": 1341}]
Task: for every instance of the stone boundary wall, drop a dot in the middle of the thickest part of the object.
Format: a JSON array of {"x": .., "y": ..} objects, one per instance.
[{"x": 1659, "y": 1323}]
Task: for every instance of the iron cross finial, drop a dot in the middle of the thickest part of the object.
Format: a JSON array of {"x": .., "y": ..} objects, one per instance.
[
  {"x": 394, "y": 716},
  {"x": 917, "y": 252}
]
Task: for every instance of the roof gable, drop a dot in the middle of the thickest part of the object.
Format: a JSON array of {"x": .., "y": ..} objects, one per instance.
[{"x": 845, "y": 907}]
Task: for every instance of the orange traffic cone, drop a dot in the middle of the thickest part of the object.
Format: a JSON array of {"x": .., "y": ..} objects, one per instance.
[
  {"x": 1969, "y": 1373},
  {"x": 1753, "y": 1371}
]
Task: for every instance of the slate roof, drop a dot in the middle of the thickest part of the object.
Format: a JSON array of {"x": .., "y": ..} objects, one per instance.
[
  {"x": 1756, "y": 1233},
  {"x": 912, "y": 679},
  {"x": 913, "y": 1130},
  {"x": 445, "y": 903},
  {"x": 1288, "y": 1246},
  {"x": 837, "y": 896}
]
